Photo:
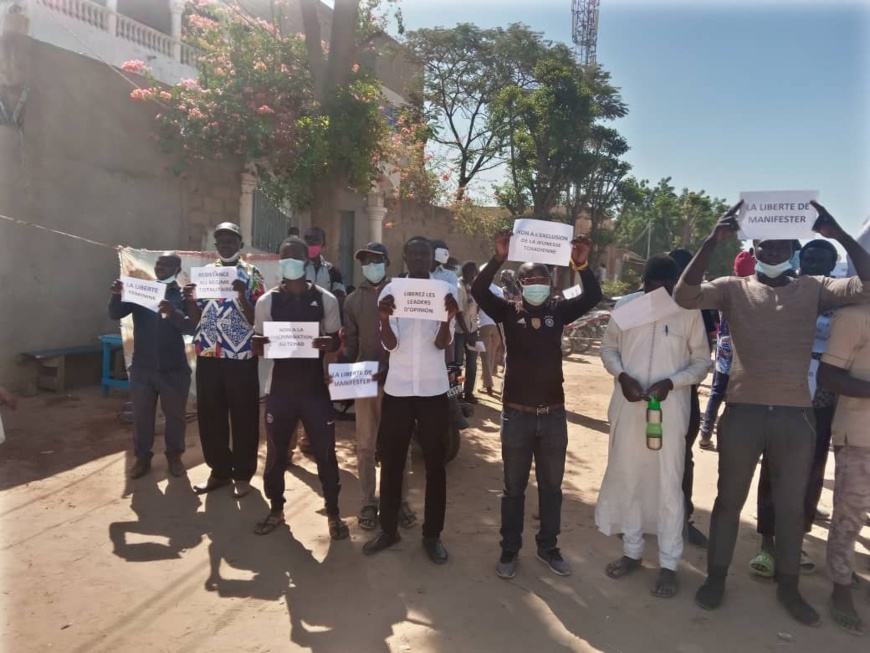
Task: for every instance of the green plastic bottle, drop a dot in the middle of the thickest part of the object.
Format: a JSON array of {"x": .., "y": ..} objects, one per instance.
[{"x": 654, "y": 424}]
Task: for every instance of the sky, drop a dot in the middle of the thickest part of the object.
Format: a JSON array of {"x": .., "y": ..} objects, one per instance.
[{"x": 724, "y": 96}]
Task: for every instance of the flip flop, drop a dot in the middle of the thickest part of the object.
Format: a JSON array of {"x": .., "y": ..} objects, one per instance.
[
  {"x": 852, "y": 624},
  {"x": 622, "y": 567},
  {"x": 269, "y": 524},
  {"x": 407, "y": 517},
  {"x": 368, "y": 518},
  {"x": 807, "y": 564},
  {"x": 666, "y": 585},
  {"x": 763, "y": 565},
  {"x": 338, "y": 530}
]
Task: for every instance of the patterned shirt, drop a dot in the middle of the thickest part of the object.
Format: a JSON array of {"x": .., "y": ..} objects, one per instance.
[{"x": 223, "y": 330}]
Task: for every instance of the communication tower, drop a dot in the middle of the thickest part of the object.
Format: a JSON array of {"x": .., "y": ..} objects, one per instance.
[{"x": 584, "y": 33}]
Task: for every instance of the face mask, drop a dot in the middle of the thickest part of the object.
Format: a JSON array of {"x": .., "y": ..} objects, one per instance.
[
  {"x": 292, "y": 268},
  {"x": 168, "y": 280},
  {"x": 772, "y": 271},
  {"x": 229, "y": 261},
  {"x": 536, "y": 294},
  {"x": 457, "y": 271},
  {"x": 314, "y": 251},
  {"x": 796, "y": 261},
  {"x": 441, "y": 255},
  {"x": 374, "y": 272}
]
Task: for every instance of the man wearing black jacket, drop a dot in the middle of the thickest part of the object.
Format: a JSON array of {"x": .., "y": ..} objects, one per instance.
[{"x": 534, "y": 424}]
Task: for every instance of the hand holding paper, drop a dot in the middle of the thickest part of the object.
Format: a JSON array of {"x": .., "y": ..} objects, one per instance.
[
  {"x": 353, "y": 380},
  {"x": 290, "y": 339},
  {"x": 540, "y": 241}
]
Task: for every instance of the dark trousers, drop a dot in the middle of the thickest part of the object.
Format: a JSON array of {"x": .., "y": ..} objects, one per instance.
[
  {"x": 172, "y": 388},
  {"x": 717, "y": 396},
  {"x": 398, "y": 415},
  {"x": 283, "y": 413},
  {"x": 766, "y": 511},
  {"x": 228, "y": 392},
  {"x": 544, "y": 438},
  {"x": 468, "y": 358},
  {"x": 691, "y": 436},
  {"x": 786, "y": 436}
]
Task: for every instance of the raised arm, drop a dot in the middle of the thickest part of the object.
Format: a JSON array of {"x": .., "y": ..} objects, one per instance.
[
  {"x": 117, "y": 308},
  {"x": 572, "y": 309},
  {"x": 828, "y": 227},
  {"x": 496, "y": 307}
]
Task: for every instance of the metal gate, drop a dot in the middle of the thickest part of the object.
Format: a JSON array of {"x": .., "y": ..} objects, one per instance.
[{"x": 270, "y": 224}]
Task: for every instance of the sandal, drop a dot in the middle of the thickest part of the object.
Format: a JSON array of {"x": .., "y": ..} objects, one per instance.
[
  {"x": 272, "y": 521},
  {"x": 850, "y": 622},
  {"x": 666, "y": 585},
  {"x": 622, "y": 567},
  {"x": 407, "y": 517},
  {"x": 763, "y": 565},
  {"x": 338, "y": 530},
  {"x": 807, "y": 564},
  {"x": 368, "y": 518}
]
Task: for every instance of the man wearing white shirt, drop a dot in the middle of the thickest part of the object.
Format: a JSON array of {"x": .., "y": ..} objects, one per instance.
[{"x": 415, "y": 391}]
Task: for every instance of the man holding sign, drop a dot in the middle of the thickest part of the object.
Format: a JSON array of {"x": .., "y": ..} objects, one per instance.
[
  {"x": 415, "y": 392},
  {"x": 227, "y": 382},
  {"x": 534, "y": 424},
  {"x": 297, "y": 388},
  {"x": 159, "y": 369},
  {"x": 772, "y": 317}
]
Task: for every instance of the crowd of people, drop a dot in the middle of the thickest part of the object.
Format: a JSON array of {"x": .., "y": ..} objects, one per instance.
[{"x": 768, "y": 327}]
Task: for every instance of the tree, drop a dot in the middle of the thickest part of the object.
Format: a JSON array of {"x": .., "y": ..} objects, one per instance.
[
  {"x": 656, "y": 219},
  {"x": 303, "y": 113}
]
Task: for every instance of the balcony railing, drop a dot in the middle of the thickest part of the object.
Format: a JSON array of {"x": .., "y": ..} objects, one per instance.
[{"x": 116, "y": 24}]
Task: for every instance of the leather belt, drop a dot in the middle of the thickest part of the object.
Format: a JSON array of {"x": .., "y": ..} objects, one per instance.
[{"x": 535, "y": 410}]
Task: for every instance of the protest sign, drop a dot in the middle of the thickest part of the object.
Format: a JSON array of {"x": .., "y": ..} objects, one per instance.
[
  {"x": 812, "y": 378},
  {"x": 540, "y": 241},
  {"x": 823, "y": 333},
  {"x": 214, "y": 282},
  {"x": 572, "y": 292},
  {"x": 142, "y": 292},
  {"x": 647, "y": 308},
  {"x": 353, "y": 380},
  {"x": 421, "y": 299},
  {"x": 291, "y": 339},
  {"x": 778, "y": 215}
]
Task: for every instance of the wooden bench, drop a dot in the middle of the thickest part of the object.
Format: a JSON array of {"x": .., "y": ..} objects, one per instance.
[{"x": 52, "y": 364}]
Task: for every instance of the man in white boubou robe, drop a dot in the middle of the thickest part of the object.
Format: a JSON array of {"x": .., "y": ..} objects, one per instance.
[{"x": 642, "y": 489}]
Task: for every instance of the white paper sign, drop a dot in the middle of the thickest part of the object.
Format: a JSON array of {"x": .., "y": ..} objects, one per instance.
[
  {"x": 540, "y": 241},
  {"x": 353, "y": 380},
  {"x": 477, "y": 346},
  {"x": 214, "y": 282},
  {"x": 650, "y": 307},
  {"x": 421, "y": 299},
  {"x": 812, "y": 378},
  {"x": 291, "y": 339},
  {"x": 143, "y": 292},
  {"x": 780, "y": 215},
  {"x": 574, "y": 291},
  {"x": 823, "y": 333}
]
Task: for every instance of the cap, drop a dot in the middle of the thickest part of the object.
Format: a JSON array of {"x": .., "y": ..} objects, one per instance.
[
  {"x": 230, "y": 227},
  {"x": 372, "y": 248},
  {"x": 744, "y": 264}
]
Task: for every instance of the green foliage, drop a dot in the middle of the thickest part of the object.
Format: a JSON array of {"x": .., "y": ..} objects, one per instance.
[
  {"x": 665, "y": 220},
  {"x": 617, "y": 288}
]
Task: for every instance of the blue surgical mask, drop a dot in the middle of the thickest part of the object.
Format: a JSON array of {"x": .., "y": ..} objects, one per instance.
[
  {"x": 536, "y": 294},
  {"x": 168, "y": 280},
  {"x": 796, "y": 261},
  {"x": 375, "y": 272},
  {"x": 292, "y": 268},
  {"x": 772, "y": 271}
]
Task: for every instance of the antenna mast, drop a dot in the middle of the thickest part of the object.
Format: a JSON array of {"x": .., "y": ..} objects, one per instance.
[{"x": 584, "y": 22}]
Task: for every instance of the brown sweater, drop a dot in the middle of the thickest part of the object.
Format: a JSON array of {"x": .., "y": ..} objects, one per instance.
[
  {"x": 772, "y": 331},
  {"x": 362, "y": 326}
]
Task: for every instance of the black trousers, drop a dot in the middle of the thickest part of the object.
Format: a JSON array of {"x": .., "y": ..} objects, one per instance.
[
  {"x": 283, "y": 413},
  {"x": 228, "y": 393},
  {"x": 691, "y": 436},
  {"x": 766, "y": 513},
  {"x": 398, "y": 415}
]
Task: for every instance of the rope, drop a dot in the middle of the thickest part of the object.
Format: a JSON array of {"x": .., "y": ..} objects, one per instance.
[{"x": 60, "y": 233}]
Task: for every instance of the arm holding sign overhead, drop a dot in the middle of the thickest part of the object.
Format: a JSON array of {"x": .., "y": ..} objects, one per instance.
[
  {"x": 691, "y": 292},
  {"x": 572, "y": 309},
  {"x": 828, "y": 227},
  {"x": 496, "y": 307}
]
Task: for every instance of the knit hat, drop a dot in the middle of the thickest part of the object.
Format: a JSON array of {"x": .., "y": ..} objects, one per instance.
[{"x": 744, "y": 264}]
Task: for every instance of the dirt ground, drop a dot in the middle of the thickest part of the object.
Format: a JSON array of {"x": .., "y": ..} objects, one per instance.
[{"x": 94, "y": 563}]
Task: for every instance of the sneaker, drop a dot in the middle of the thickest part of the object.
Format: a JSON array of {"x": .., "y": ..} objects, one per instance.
[
  {"x": 176, "y": 467},
  {"x": 507, "y": 565},
  {"x": 707, "y": 444},
  {"x": 554, "y": 560},
  {"x": 141, "y": 467}
]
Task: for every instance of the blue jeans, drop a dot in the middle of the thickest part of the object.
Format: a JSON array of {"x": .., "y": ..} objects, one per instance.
[
  {"x": 545, "y": 438},
  {"x": 462, "y": 355},
  {"x": 717, "y": 396}
]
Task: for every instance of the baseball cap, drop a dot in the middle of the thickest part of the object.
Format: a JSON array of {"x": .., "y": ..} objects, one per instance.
[
  {"x": 372, "y": 248},
  {"x": 744, "y": 264},
  {"x": 230, "y": 227}
]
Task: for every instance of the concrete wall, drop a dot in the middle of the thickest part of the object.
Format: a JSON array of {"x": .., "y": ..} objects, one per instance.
[{"x": 82, "y": 163}]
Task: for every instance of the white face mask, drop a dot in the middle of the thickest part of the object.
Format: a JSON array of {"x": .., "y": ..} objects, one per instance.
[
  {"x": 168, "y": 280},
  {"x": 230, "y": 261},
  {"x": 772, "y": 271},
  {"x": 441, "y": 255}
]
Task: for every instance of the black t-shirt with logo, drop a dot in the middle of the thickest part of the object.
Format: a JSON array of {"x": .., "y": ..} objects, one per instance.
[{"x": 533, "y": 336}]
